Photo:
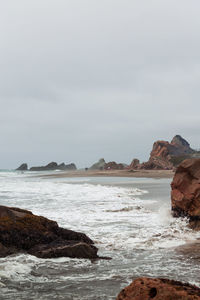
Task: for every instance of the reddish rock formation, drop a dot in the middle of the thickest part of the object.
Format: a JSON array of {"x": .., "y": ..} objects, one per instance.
[
  {"x": 134, "y": 164},
  {"x": 112, "y": 165},
  {"x": 22, "y": 231},
  {"x": 159, "y": 289},
  {"x": 166, "y": 156},
  {"x": 185, "y": 194}
]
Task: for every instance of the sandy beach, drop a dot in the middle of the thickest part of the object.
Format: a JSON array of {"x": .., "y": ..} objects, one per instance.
[{"x": 115, "y": 173}]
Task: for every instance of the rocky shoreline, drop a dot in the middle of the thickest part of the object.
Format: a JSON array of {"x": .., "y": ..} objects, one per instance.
[{"x": 23, "y": 232}]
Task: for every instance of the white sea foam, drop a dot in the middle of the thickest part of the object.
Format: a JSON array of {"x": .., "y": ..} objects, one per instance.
[{"x": 123, "y": 222}]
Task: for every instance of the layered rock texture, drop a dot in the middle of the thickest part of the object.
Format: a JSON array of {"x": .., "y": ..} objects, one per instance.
[
  {"x": 159, "y": 289},
  {"x": 185, "y": 194},
  {"x": 22, "y": 231},
  {"x": 167, "y": 155}
]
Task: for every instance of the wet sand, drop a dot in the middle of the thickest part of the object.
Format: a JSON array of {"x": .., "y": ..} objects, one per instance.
[{"x": 114, "y": 173}]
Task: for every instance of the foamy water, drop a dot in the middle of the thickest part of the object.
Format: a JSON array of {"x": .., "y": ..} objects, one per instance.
[{"x": 129, "y": 219}]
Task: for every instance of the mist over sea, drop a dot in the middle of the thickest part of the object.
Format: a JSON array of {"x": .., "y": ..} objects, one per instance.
[{"x": 129, "y": 220}]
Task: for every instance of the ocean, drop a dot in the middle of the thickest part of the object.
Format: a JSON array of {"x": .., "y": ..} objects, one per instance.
[{"x": 129, "y": 220}]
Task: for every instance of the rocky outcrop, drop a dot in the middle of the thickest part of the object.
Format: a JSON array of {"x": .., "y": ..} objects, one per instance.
[
  {"x": 134, "y": 164},
  {"x": 167, "y": 155},
  {"x": 99, "y": 165},
  {"x": 159, "y": 289},
  {"x": 54, "y": 166},
  {"x": 22, "y": 167},
  {"x": 22, "y": 231},
  {"x": 185, "y": 194},
  {"x": 112, "y": 165}
]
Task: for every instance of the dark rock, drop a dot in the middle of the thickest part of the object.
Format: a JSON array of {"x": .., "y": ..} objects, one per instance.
[
  {"x": 159, "y": 289},
  {"x": 99, "y": 165},
  {"x": 185, "y": 194},
  {"x": 54, "y": 166},
  {"x": 50, "y": 167},
  {"x": 69, "y": 167},
  {"x": 22, "y": 231},
  {"x": 23, "y": 167}
]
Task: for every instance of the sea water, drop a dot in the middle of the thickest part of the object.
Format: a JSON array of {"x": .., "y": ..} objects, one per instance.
[{"x": 129, "y": 220}]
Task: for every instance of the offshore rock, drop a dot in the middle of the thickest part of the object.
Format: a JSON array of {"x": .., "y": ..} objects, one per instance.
[
  {"x": 185, "y": 194},
  {"x": 22, "y": 231},
  {"x": 22, "y": 167},
  {"x": 54, "y": 166},
  {"x": 159, "y": 289}
]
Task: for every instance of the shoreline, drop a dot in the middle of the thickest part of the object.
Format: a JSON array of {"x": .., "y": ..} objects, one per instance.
[{"x": 113, "y": 173}]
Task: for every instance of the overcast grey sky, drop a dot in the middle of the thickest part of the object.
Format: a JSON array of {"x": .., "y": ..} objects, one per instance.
[{"x": 85, "y": 79}]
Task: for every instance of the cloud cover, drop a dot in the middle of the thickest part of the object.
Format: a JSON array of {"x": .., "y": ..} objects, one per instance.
[{"x": 84, "y": 79}]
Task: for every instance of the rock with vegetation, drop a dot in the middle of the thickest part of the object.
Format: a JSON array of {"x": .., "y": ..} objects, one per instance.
[
  {"x": 185, "y": 194},
  {"x": 159, "y": 289},
  {"x": 22, "y": 167},
  {"x": 23, "y": 232}
]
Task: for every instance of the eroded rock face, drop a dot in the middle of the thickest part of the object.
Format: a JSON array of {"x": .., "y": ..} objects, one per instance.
[
  {"x": 167, "y": 155},
  {"x": 159, "y": 289},
  {"x": 22, "y": 231},
  {"x": 185, "y": 194}
]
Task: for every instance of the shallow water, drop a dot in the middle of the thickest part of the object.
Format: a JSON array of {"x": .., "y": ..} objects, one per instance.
[{"x": 128, "y": 218}]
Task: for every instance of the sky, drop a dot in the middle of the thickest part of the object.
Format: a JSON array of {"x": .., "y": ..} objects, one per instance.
[{"x": 85, "y": 79}]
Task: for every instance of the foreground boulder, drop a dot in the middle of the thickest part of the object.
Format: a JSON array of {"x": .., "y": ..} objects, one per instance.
[
  {"x": 22, "y": 231},
  {"x": 159, "y": 289},
  {"x": 185, "y": 194}
]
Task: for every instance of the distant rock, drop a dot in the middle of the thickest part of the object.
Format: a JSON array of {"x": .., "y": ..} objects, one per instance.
[
  {"x": 23, "y": 232},
  {"x": 69, "y": 167},
  {"x": 112, "y": 165},
  {"x": 167, "y": 155},
  {"x": 99, "y": 165},
  {"x": 159, "y": 289},
  {"x": 23, "y": 167},
  {"x": 185, "y": 194},
  {"x": 134, "y": 164},
  {"x": 54, "y": 166}
]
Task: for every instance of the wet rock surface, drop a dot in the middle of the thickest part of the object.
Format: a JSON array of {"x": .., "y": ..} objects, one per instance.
[
  {"x": 159, "y": 289},
  {"x": 185, "y": 194},
  {"x": 22, "y": 231}
]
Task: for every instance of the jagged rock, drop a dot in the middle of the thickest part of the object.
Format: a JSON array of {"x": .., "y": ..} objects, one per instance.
[
  {"x": 166, "y": 156},
  {"x": 112, "y": 165},
  {"x": 23, "y": 167},
  {"x": 99, "y": 165},
  {"x": 159, "y": 289},
  {"x": 185, "y": 194},
  {"x": 68, "y": 167},
  {"x": 22, "y": 231},
  {"x": 51, "y": 166},
  {"x": 54, "y": 166},
  {"x": 134, "y": 164}
]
